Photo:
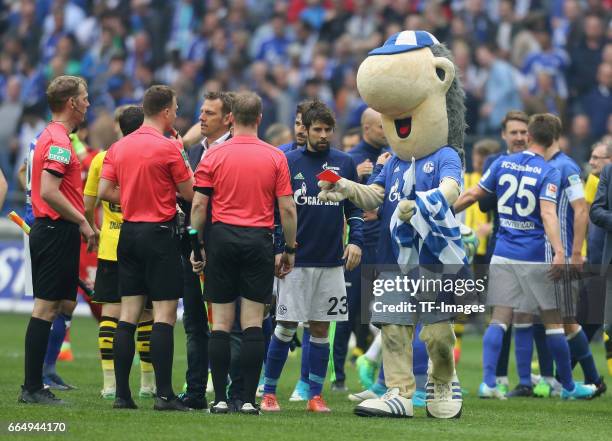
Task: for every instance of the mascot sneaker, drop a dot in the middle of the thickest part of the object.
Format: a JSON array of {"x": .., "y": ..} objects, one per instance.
[
  {"x": 444, "y": 400},
  {"x": 390, "y": 405},
  {"x": 301, "y": 391},
  {"x": 367, "y": 394}
]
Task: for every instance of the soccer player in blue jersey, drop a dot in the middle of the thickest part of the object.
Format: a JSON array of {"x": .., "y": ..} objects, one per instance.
[
  {"x": 314, "y": 291},
  {"x": 63, "y": 319},
  {"x": 573, "y": 218},
  {"x": 527, "y": 188}
]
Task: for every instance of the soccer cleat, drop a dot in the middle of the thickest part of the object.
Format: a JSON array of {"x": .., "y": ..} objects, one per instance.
[
  {"x": 600, "y": 388},
  {"x": 220, "y": 407},
  {"x": 485, "y": 391},
  {"x": 121, "y": 403},
  {"x": 269, "y": 403},
  {"x": 367, "y": 394},
  {"x": 193, "y": 402},
  {"x": 502, "y": 384},
  {"x": 249, "y": 409},
  {"x": 147, "y": 392},
  {"x": 54, "y": 381},
  {"x": 390, "y": 405},
  {"x": 580, "y": 392},
  {"x": 108, "y": 394},
  {"x": 41, "y": 396},
  {"x": 418, "y": 399},
  {"x": 520, "y": 390},
  {"x": 170, "y": 404},
  {"x": 301, "y": 391},
  {"x": 542, "y": 389},
  {"x": 366, "y": 369},
  {"x": 443, "y": 400},
  {"x": 338, "y": 386},
  {"x": 317, "y": 404}
]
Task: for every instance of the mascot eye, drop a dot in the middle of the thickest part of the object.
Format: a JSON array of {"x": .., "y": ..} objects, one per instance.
[{"x": 441, "y": 73}]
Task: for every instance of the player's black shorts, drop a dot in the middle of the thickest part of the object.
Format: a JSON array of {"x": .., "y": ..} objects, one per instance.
[
  {"x": 55, "y": 248},
  {"x": 239, "y": 263},
  {"x": 149, "y": 261},
  {"x": 106, "y": 288}
]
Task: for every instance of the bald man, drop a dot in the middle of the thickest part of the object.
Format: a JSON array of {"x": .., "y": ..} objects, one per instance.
[{"x": 366, "y": 154}]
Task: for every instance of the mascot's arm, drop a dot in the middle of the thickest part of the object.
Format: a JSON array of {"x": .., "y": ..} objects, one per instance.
[
  {"x": 367, "y": 197},
  {"x": 449, "y": 189}
]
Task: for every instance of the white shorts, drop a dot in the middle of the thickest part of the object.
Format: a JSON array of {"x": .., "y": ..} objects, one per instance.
[
  {"x": 317, "y": 294},
  {"x": 523, "y": 286},
  {"x": 27, "y": 266}
]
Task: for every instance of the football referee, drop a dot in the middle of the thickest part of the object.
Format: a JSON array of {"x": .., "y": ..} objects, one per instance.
[
  {"x": 149, "y": 170},
  {"x": 57, "y": 202},
  {"x": 243, "y": 177}
]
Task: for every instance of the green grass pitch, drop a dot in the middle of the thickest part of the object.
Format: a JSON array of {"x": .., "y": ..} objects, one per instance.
[{"x": 88, "y": 417}]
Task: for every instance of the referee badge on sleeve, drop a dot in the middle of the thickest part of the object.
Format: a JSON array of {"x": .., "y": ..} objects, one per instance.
[
  {"x": 59, "y": 154},
  {"x": 184, "y": 155}
]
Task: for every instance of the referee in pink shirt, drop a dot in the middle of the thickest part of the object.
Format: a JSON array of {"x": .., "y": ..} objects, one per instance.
[{"x": 243, "y": 178}]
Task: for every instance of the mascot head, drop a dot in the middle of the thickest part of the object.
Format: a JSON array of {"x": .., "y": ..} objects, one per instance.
[{"x": 411, "y": 80}]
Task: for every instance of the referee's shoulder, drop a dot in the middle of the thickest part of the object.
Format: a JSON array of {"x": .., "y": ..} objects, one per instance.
[{"x": 56, "y": 137}]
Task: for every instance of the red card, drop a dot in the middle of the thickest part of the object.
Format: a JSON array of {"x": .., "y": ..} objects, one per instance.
[{"x": 329, "y": 176}]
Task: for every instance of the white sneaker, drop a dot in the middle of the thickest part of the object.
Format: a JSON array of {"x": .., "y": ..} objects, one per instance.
[
  {"x": 390, "y": 405},
  {"x": 220, "y": 407},
  {"x": 260, "y": 391},
  {"x": 249, "y": 409},
  {"x": 444, "y": 400},
  {"x": 362, "y": 396},
  {"x": 108, "y": 393},
  {"x": 485, "y": 391}
]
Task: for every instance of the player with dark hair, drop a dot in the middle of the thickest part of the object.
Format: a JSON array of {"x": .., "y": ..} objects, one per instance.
[
  {"x": 128, "y": 118},
  {"x": 315, "y": 292},
  {"x": 143, "y": 172},
  {"x": 57, "y": 203}
]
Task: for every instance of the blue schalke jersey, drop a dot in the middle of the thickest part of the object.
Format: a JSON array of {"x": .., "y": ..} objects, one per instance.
[
  {"x": 570, "y": 189},
  {"x": 320, "y": 225},
  {"x": 519, "y": 181},
  {"x": 360, "y": 153},
  {"x": 29, "y": 214},
  {"x": 430, "y": 170}
]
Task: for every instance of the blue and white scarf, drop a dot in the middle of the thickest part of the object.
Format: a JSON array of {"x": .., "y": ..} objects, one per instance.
[{"x": 433, "y": 226}]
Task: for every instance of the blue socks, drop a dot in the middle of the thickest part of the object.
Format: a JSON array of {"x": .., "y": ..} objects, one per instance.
[
  {"x": 491, "y": 347},
  {"x": 523, "y": 348},
  {"x": 581, "y": 352},
  {"x": 545, "y": 358},
  {"x": 555, "y": 338},
  {"x": 420, "y": 359},
  {"x": 56, "y": 338},
  {"x": 277, "y": 356},
  {"x": 318, "y": 357},
  {"x": 305, "y": 366}
]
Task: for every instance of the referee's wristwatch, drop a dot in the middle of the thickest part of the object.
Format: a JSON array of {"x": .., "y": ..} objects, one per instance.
[{"x": 290, "y": 250}]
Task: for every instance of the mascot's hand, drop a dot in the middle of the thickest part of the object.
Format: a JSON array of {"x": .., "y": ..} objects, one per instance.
[
  {"x": 335, "y": 192},
  {"x": 406, "y": 209}
]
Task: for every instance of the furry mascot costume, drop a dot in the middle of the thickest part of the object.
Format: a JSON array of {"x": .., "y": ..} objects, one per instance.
[{"x": 411, "y": 80}]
